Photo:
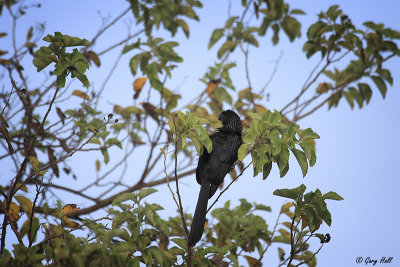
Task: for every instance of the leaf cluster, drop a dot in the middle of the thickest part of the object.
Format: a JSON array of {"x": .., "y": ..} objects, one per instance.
[
  {"x": 73, "y": 63},
  {"x": 269, "y": 139}
]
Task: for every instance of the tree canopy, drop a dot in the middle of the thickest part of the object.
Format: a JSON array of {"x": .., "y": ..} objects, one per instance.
[{"x": 52, "y": 111}]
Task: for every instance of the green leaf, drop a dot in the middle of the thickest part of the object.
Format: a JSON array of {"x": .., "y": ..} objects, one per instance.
[
  {"x": 180, "y": 242},
  {"x": 332, "y": 195},
  {"x": 216, "y": 35},
  {"x": 42, "y": 58},
  {"x": 124, "y": 197},
  {"x": 262, "y": 207},
  {"x": 243, "y": 150},
  {"x": 294, "y": 193},
  {"x": 228, "y": 45},
  {"x": 365, "y": 91},
  {"x": 309, "y": 149},
  {"x": 286, "y": 193},
  {"x": 66, "y": 40},
  {"x": 276, "y": 144},
  {"x": 184, "y": 26},
  {"x": 114, "y": 141},
  {"x": 281, "y": 239},
  {"x": 134, "y": 63},
  {"x": 106, "y": 156},
  {"x": 283, "y": 161},
  {"x": 309, "y": 134},
  {"x": 301, "y": 159},
  {"x": 333, "y": 12},
  {"x": 81, "y": 77},
  {"x": 230, "y": 21},
  {"x": 356, "y": 95},
  {"x": 291, "y": 27},
  {"x": 146, "y": 191},
  {"x": 380, "y": 84},
  {"x": 385, "y": 74},
  {"x": 61, "y": 81},
  {"x": 297, "y": 12},
  {"x": 267, "y": 169},
  {"x": 349, "y": 98},
  {"x": 275, "y": 36},
  {"x": 313, "y": 30}
]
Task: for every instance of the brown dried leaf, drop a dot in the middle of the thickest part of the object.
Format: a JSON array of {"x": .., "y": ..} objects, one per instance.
[
  {"x": 4, "y": 133},
  {"x": 61, "y": 115},
  {"x": 35, "y": 126},
  {"x": 5, "y": 61},
  {"x": 164, "y": 241},
  {"x": 92, "y": 56},
  {"x": 151, "y": 110},
  {"x": 81, "y": 94},
  {"x": 52, "y": 159}
]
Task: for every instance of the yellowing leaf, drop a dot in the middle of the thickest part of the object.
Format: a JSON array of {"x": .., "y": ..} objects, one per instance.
[
  {"x": 285, "y": 207},
  {"x": 98, "y": 165},
  {"x": 26, "y": 204},
  {"x": 252, "y": 261},
  {"x": 323, "y": 87},
  {"x": 29, "y": 34},
  {"x": 81, "y": 94},
  {"x": 69, "y": 208},
  {"x": 34, "y": 163},
  {"x": 14, "y": 210},
  {"x": 260, "y": 109},
  {"x": 138, "y": 86},
  {"x": 68, "y": 223}
]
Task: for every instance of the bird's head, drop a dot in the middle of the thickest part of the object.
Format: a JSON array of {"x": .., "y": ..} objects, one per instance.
[{"x": 230, "y": 121}]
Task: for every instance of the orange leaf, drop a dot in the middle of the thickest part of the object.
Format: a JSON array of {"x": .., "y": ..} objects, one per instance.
[
  {"x": 81, "y": 94},
  {"x": 69, "y": 208},
  {"x": 212, "y": 85},
  {"x": 14, "y": 210},
  {"x": 138, "y": 85},
  {"x": 260, "y": 109}
]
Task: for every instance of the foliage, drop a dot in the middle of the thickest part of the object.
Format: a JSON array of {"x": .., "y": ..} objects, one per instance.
[{"x": 41, "y": 128}]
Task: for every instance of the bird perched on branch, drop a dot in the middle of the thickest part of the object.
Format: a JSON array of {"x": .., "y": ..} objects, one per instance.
[{"x": 213, "y": 167}]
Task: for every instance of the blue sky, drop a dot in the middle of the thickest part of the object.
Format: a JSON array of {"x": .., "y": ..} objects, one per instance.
[{"x": 357, "y": 152}]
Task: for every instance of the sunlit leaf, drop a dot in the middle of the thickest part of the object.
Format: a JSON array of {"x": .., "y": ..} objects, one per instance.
[{"x": 81, "y": 94}]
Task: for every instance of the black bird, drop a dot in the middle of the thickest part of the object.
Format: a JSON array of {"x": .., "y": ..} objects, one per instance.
[{"x": 212, "y": 167}]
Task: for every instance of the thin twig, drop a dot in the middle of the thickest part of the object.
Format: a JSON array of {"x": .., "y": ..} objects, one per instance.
[{"x": 223, "y": 191}]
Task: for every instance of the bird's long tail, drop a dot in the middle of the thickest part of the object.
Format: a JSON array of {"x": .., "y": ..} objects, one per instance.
[{"x": 199, "y": 215}]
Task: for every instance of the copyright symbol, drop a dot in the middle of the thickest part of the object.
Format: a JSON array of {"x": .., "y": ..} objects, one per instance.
[{"x": 359, "y": 259}]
